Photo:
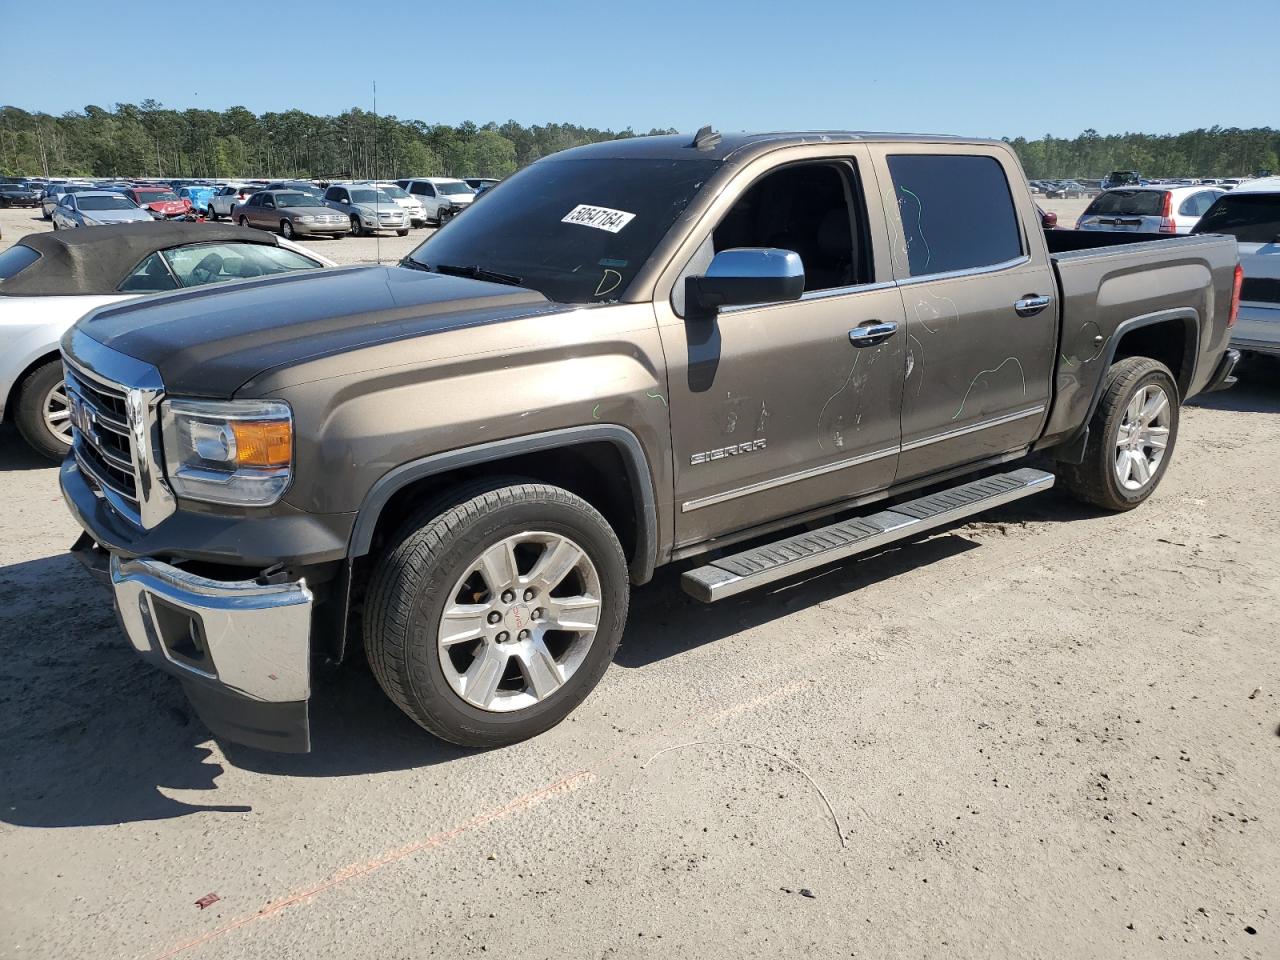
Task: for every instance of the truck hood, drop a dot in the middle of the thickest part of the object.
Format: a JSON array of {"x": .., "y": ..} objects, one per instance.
[{"x": 209, "y": 342}]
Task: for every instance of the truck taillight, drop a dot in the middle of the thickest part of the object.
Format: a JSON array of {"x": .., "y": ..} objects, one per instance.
[
  {"x": 1235, "y": 296},
  {"x": 1166, "y": 215}
]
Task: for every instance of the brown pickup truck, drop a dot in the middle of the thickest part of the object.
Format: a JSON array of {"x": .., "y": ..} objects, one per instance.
[{"x": 629, "y": 354}]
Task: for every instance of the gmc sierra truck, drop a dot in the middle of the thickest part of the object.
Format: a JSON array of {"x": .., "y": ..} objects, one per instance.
[{"x": 629, "y": 354}]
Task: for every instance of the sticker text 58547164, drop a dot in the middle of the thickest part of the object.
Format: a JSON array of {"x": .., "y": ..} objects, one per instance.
[{"x": 602, "y": 218}]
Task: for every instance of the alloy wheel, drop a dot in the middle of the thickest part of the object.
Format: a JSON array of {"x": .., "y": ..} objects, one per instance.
[
  {"x": 57, "y": 413},
  {"x": 519, "y": 621},
  {"x": 1143, "y": 437}
]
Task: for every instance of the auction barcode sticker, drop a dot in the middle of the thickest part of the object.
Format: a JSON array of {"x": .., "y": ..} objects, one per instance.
[{"x": 602, "y": 218}]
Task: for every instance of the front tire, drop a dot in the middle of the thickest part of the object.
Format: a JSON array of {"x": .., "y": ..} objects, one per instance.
[
  {"x": 44, "y": 411},
  {"x": 211, "y": 214},
  {"x": 355, "y": 227},
  {"x": 244, "y": 222},
  {"x": 496, "y": 611},
  {"x": 402, "y": 233},
  {"x": 1131, "y": 437},
  {"x": 286, "y": 229}
]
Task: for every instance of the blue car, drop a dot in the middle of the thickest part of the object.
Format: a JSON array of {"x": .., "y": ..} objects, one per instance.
[{"x": 199, "y": 196}]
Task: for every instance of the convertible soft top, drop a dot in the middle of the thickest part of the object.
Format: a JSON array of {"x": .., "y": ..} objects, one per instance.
[{"x": 96, "y": 260}]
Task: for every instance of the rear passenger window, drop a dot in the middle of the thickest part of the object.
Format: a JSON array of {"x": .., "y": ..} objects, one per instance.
[{"x": 957, "y": 212}]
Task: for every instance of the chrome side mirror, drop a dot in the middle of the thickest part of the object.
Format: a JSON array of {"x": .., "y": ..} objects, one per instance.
[{"x": 746, "y": 275}]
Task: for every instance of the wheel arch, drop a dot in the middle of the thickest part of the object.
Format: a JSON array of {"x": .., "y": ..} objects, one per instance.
[
  {"x": 11, "y": 398},
  {"x": 584, "y": 462}
]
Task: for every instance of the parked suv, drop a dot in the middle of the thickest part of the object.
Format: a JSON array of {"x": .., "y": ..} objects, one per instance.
[
  {"x": 1151, "y": 209},
  {"x": 224, "y": 201},
  {"x": 367, "y": 209},
  {"x": 441, "y": 197},
  {"x": 1251, "y": 214}
]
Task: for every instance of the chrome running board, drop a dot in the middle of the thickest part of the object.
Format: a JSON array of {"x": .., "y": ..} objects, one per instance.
[{"x": 804, "y": 551}]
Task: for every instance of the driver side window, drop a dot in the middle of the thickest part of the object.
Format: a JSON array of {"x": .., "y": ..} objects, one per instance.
[
  {"x": 813, "y": 209},
  {"x": 810, "y": 208}
]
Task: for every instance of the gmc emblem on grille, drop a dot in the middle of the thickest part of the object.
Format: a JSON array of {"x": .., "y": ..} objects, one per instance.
[{"x": 82, "y": 418}]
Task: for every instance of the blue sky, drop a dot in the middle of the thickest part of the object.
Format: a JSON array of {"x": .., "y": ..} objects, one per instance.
[{"x": 977, "y": 68}]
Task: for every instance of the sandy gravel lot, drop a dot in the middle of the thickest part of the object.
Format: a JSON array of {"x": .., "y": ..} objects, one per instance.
[{"x": 1049, "y": 733}]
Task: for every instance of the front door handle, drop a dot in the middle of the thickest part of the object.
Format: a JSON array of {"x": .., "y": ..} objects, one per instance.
[
  {"x": 869, "y": 334},
  {"x": 1030, "y": 306}
]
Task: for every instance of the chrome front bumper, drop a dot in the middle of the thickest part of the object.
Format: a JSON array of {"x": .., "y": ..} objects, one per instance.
[{"x": 241, "y": 648}]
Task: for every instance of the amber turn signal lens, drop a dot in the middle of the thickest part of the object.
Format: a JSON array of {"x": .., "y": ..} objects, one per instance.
[{"x": 263, "y": 443}]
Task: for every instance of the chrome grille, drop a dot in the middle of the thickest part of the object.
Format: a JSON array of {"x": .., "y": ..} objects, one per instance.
[{"x": 100, "y": 435}]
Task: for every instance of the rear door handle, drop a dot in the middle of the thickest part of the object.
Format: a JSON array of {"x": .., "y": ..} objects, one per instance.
[
  {"x": 1030, "y": 306},
  {"x": 869, "y": 334}
]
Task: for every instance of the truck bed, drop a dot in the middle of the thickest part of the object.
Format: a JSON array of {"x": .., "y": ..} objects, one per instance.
[{"x": 1112, "y": 283}]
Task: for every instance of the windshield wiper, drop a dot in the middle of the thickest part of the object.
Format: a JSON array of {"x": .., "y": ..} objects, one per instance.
[
  {"x": 476, "y": 272},
  {"x": 413, "y": 264}
]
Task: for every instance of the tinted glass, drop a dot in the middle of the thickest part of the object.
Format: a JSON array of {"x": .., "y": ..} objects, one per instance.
[
  {"x": 1127, "y": 203},
  {"x": 370, "y": 196},
  {"x": 107, "y": 203},
  {"x": 521, "y": 230},
  {"x": 150, "y": 276},
  {"x": 218, "y": 262},
  {"x": 1249, "y": 217},
  {"x": 16, "y": 258},
  {"x": 393, "y": 191},
  {"x": 297, "y": 200},
  {"x": 454, "y": 189},
  {"x": 957, "y": 212}
]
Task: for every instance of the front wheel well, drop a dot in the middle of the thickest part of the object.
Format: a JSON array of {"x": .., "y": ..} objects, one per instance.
[{"x": 595, "y": 471}]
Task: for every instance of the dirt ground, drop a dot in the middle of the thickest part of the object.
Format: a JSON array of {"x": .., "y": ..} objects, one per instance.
[{"x": 1049, "y": 733}]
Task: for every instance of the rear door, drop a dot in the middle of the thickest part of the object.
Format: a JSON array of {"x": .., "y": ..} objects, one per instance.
[
  {"x": 980, "y": 303},
  {"x": 775, "y": 409}
]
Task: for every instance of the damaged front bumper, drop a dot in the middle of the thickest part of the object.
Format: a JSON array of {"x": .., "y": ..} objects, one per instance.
[{"x": 241, "y": 648}]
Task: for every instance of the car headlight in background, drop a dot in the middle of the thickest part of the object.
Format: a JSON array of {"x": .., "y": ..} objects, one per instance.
[{"x": 228, "y": 451}]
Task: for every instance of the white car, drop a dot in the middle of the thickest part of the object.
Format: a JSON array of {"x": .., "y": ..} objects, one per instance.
[
  {"x": 1148, "y": 209},
  {"x": 441, "y": 197},
  {"x": 97, "y": 208},
  {"x": 411, "y": 205},
  {"x": 48, "y": 281},
  {"x": 1251, "y": 214}
]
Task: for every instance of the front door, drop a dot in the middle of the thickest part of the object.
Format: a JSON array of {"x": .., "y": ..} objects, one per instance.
[
  {"x": 776, "y": 409},
  {"x": 980, "y": 302}
]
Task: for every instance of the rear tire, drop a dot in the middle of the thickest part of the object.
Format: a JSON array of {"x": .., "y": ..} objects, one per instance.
[
  {"x": 39, "y": 411},
  {"x": 1124, "y": 460},
  {"x": 479, "y": 553}
]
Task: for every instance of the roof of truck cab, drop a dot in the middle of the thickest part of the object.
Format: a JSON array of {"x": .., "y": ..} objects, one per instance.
[{"x": 735, "y": 145}]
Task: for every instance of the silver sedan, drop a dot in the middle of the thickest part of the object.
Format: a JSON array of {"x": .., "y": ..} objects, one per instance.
[{"x": 95, "y": 209}]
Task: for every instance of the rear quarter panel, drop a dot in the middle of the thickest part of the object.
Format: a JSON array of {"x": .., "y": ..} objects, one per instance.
[{"x": 1187, "y": 280}]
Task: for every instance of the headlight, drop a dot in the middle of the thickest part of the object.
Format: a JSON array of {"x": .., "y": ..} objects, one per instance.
[
  {"x": 305, "y": 218},
  {"x": 228, "y": 451}
]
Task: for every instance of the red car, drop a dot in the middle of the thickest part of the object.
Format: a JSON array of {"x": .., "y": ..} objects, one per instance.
[{"x": 161, "y": 201}]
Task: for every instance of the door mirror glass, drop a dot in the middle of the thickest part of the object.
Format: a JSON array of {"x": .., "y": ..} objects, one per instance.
[{"x": 746, "y": 275}]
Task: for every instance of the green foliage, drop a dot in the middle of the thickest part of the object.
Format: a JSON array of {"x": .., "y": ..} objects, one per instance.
[
  {"x": 148, "y": 140},
  {"x": 1215, "y": 152}
]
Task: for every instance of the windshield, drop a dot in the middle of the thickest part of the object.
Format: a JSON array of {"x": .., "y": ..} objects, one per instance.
[
  {"x": 395, "y": 193},
  {"x": 297, "y": 200},
  {"x": 155, "y": 196},
  {"x": 577, "y": 231},
  {"x": 107, "y": 203},
  {"x": 371, "y": 196},
  {"x": 1249, "y": 217},
  {"x": 453, "y": 189},
  {"x": 1127, "y": 203}
]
